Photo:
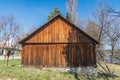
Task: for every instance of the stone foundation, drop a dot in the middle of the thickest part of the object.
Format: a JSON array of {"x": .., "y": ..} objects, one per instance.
[{"x": 89, "y": 71}]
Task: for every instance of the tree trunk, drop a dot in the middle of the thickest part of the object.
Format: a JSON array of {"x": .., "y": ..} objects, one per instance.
[{"x": 112, "y": 52}]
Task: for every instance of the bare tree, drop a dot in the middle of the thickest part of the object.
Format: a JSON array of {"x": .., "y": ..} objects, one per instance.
[
  {"x": 115, "y": 39},
  {"x": 102, "y": 17},
  {"x": 4, "y": 33},
  {"x": 93, "y": 30},
  {"x": 108, "y": 25},
  {"x": 103, "y": 20},
  {"x": 72, "y": 11},
  {"x": 114, "y": 35},
  {"x": 10, "y": 32}
]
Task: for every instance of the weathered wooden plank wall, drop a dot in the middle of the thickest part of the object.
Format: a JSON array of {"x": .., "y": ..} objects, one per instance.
[
  {"x": 58, "y": 32},
  {"x": 60, "y": 55},
  {"x": 59, "y": 44}
]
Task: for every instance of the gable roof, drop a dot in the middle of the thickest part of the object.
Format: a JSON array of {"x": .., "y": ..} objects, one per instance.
[{"x": 56, "y": 17}]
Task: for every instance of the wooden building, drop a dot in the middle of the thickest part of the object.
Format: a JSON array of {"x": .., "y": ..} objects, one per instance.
[{"x": 58, "y": 43}]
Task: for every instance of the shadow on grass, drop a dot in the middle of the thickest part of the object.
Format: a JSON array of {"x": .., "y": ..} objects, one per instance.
[
  {"x": 79, "y": 76},
  {"x": 73, "y": 70},
  {"x": 76, "y": 76},
  {"x": 13, "y": 65},
  {"x": 106, "y": 76},
  {"x": 101, "y": 76}
]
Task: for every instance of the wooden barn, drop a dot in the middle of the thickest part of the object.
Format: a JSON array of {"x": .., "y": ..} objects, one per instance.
[{"x": 58, "y": 43}]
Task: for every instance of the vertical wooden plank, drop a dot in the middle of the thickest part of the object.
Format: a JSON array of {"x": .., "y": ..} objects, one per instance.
[
  {"x": 47, "y": 55},
  {"x": 55, "y": 26},
  {"x": 40, "y": 54},
  {"x": 89, "y": 53},
  {"x": 58, "y": 56},
  {"x": 48, "y": 33},
  {"x": 94, "y": 53},
  {"x": 79, "y": 55},
  {"x": 35, "y": 38},
  {"x": 44, "y": 50},
  {"x": 53, "y": 32},
  {"x": 37, "y": 62},
  {"x": 61, "y": 31},
  {"x": 58, "y": 31},
  {"x": 34, "y": 59},
  {"x": 40, "y": 36},
  {"x": 44, "y": 55},
  {"x": 28, "y": 54},
  {"x": 82, "y": 53},
  {"x": 54, "y": 55},
  {"x": 61, "y": 53},
  {"x": 44, "y": 36},
  {"x": 35, "y": 56},
  {"x": 63, "y": 56},
  {"x": 48, "y": 65},
  {"x": 24, "y": 56},
  {"x": 31, "y": 55}
]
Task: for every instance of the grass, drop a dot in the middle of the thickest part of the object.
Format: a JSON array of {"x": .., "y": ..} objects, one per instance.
[{"x": 15, "y": 72}]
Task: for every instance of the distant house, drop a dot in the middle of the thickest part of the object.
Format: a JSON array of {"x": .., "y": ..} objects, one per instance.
[
  {"x": 58, "y": 43},
  {"x": 3, "y": 48}
]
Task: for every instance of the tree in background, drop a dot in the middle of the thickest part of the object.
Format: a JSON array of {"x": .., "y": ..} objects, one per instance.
[
  {"x": 103, "y": 20},
  {"x": 72, "y": 13},
  {"x": 114, "y": 32},
  {"x": 11, "y": 31},
  {"x": 93, "y": 30},
  {"x": 113, "y": 36},
  {"x": 109, "y": 27},
  {"x": 54, "y": 13}
]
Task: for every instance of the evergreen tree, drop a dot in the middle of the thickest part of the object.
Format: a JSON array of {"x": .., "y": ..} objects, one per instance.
[{"x": 54, "y": 13}]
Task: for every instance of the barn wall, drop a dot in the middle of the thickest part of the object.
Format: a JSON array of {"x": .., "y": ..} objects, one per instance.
[
  {"x": 58, "y": 31},
  {"x": 58, "y": 44},
  {"x": 58, "y": 55}
]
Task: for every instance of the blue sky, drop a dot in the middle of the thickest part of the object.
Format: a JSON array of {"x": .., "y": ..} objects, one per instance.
[{"x": 34, "y": 12}]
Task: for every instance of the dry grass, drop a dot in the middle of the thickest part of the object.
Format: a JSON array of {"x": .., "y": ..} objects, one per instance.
[
  {"x": 15, "y": 72},
  {"x": 114, "y": 68}
]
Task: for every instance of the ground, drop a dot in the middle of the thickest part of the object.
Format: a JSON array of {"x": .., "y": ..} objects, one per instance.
[{"x": 15, "y": 72}]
